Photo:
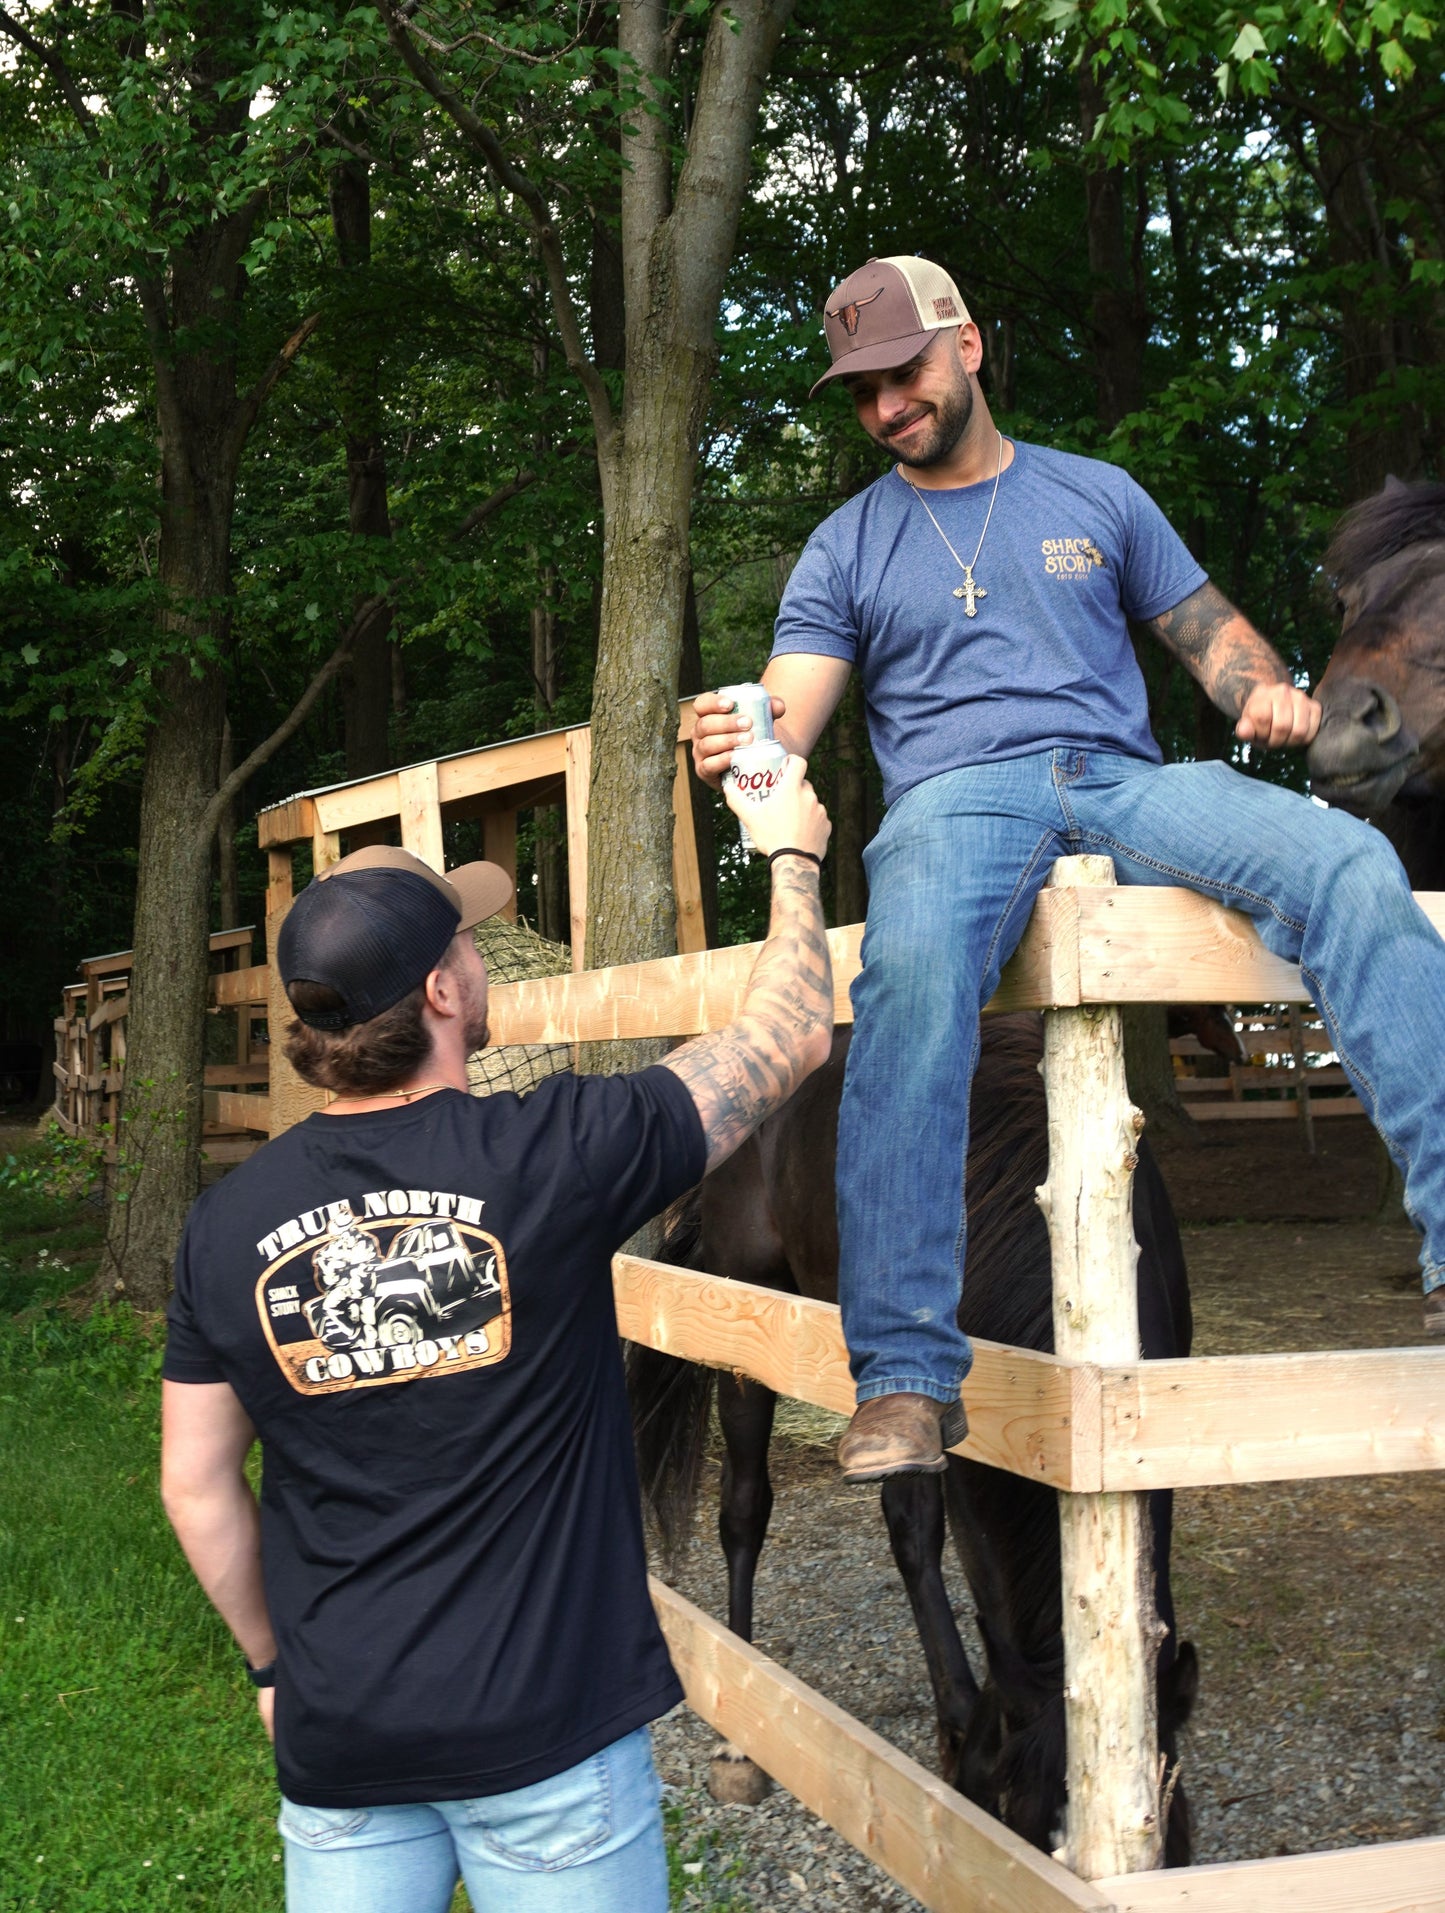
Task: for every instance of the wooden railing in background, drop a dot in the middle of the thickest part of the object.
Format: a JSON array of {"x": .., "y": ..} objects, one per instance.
[{"x": 90, "y": 1048}]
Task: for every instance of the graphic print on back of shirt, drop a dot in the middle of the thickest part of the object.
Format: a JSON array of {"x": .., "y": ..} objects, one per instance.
[{"x": 403, "y": 1285}]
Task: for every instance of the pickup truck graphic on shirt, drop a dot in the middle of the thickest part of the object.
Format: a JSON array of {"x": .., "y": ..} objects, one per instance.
[
  {"x": 431, "y": 1284},
  {"x": 385, "y": 1301}
]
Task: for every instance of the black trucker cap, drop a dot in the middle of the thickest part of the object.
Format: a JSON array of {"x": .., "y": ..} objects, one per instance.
[{"x": 375, "y": 925}]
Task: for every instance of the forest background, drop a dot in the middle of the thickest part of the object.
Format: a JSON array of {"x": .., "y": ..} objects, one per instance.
[{"x": 378, "y": 382}]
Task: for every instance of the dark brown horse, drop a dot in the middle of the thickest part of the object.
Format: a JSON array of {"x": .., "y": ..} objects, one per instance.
[
  {"x": 767, "y": 1216},
  {"x": 1380, "y": 751}
]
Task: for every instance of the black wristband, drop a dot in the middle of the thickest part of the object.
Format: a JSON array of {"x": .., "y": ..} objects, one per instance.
[
  {"x": 811, "y": 855},
  {"x": 262, "y": 1676}
]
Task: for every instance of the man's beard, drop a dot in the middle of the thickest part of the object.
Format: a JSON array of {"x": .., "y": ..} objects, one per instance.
[
  {"x": 936, "y": 443},
  {"x": 476, "y": 1029}
]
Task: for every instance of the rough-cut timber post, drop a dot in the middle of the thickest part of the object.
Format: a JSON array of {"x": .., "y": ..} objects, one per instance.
[{"x": 1111, "y": 1631}]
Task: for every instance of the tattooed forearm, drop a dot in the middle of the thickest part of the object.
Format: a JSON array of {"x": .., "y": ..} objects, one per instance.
[
  {"x": 1220, "y": 647},
  {"x": 740, "y": 1074}
]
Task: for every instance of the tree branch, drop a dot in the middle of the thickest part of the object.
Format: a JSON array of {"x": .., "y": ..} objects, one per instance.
[
  {"x": 250, "y": 406},
  {"x": 479, "y": 514},
  {"x": 646, "y": 185},
  {"x": 169, "y": 409},
  {"x": 476, "y": 131},
  {"x": 291, "y": 723},
  {"x": 368, "y": 609},
  {"x": 57, "y": 69}
]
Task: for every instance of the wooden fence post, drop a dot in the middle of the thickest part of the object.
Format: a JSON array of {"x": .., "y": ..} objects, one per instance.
[{"x": 1111, "y": 1630}]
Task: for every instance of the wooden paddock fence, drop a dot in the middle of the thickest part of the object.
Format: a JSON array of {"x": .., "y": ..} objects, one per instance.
[
  {"x": 90, "y": 1047},
  {"x": 1092, "y": 1420},
  {"x": 1285, "y": 1074}
]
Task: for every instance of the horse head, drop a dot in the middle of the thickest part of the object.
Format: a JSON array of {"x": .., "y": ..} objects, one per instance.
[{"x": 1382, "y": 733}]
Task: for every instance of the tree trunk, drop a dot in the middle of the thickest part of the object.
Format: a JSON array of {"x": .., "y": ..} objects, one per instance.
[
  {"x": 634, "y": 713},
  {"x": 704, "y": 817},
  {"x": 850, "y": 816},
  {"x": 366, "y": 684},
  {"x": 227, "y": 884},
  {"x": 1383, "y": 433},
  {"x": 157, "y": 1170},
  {"x": 1117, "y": 307},
  {"x": 192, "y": 312},
  {"x": 549, "y": 833},
  {"x": 674, "y": 261},
  {"x": 1119, "y": 332}
]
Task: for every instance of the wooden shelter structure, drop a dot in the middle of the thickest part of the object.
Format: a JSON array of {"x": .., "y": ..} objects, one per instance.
[{"x": 413, "y": 806}]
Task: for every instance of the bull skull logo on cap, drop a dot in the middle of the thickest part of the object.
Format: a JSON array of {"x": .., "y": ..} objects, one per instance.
[{"x": 849, "y": 313}]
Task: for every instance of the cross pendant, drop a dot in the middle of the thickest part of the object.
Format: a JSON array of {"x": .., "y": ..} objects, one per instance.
[{"x": 970, "y": 593}]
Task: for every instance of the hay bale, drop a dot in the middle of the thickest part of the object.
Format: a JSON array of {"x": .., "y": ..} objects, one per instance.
[{"x": 513, "y": 953}]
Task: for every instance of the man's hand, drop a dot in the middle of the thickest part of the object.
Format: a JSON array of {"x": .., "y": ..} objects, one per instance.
[
  {"x": 740, "y": 1074},
  {"x": 1241, "y": 673},
  {"x": 792, "y": 818},
  {"x": 1278, "y": 717},
  {"x": 718, "y": 730},
  {"x": 266, "y": 1708}
]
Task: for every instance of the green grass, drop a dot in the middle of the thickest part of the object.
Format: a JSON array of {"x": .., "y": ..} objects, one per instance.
[
  {"x": 136, "y": 1775},
  {"x": 51, "y": 1222},
  {"x": 136, "y": 1772}
]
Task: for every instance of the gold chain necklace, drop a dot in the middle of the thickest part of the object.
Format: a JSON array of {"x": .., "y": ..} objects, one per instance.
[
  {"x": 380, "y": 1095},
  {"x": 968, "y": 590}
]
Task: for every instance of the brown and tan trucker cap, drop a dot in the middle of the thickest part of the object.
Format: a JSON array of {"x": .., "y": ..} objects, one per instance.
[
  {"x": 886, "y": 313},
  {"x": 477, "y": 891},
  {"x": 372, "y": 927}
]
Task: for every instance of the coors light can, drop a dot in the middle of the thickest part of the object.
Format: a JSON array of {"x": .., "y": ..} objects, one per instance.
[
  {"x": 752, "y": 701},
  {"x": 755, "y": 773}
]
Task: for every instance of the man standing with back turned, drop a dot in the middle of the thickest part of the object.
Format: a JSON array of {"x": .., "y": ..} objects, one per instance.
[
  {"x": 982, "y": 588},
  {"x": 443, "y": 1599}
]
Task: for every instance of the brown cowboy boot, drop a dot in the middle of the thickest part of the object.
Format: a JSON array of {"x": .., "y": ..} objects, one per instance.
[
  {"x": 900, "y": 1435},
  {"x": 1435, "y": 1312}
]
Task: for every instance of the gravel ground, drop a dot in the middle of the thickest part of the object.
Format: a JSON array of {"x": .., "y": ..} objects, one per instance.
[{"x": 1321, "y": 1718}]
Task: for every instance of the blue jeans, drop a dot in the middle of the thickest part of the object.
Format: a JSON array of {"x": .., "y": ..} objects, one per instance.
[
  {"x": 586, "y": 1841},
  {"x": 953, "y": 875}
]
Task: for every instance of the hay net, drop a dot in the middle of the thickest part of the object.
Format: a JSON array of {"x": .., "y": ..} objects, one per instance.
[{"x": 513, "y": 953}]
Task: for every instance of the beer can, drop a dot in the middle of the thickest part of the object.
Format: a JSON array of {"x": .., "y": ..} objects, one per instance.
[
  {"x": 755, "y": 773},
  {"x": 753, "y": 701}
]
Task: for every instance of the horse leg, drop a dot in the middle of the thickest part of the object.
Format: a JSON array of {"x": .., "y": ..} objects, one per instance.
[
  {"x": 913, "y": 1510},
  {"x": 745, "y": 1410}
]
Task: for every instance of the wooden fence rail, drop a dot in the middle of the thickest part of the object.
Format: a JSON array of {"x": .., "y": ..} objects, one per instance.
[
  {"x": 90, "y": 1048},
  {"x": 1111, "y": 945},
  {"x": 1082, "y": 1427}
]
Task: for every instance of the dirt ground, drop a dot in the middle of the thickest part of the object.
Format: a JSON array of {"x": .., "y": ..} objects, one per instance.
[{"x": 1315, "y": 1606}]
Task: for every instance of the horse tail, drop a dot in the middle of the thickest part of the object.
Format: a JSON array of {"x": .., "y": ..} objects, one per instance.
[{"x": 671, "y": 1404}]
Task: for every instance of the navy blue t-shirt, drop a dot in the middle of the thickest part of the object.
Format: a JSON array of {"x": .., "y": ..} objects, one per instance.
[
  {"x": 1074, "y": 548},
  {"x": 415, "y": 1309}
]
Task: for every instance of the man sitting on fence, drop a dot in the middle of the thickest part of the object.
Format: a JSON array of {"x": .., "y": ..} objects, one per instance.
[
  {"x": 408, "y": 1297},
  {"x": 983, "y": 588}
]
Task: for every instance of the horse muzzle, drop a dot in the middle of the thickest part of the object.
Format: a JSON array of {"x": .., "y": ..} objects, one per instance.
[{"x": 1363, "y": 754}]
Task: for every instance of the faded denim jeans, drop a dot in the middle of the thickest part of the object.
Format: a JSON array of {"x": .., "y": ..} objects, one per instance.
[
  {"x": 586, "y": 1841},
  {"x": 953, "y": 875}
]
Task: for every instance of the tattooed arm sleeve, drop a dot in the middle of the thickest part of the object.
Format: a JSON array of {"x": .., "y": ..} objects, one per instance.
[
  {"x": 742, "y": 1073},
  {"x": 1220, "y": 647}
]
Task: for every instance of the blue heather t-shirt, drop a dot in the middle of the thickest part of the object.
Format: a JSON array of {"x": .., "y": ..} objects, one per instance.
[{"x": 1074, "y": 548}]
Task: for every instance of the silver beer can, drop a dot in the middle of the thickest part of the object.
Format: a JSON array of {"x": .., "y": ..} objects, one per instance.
[
  {"x": 755, "y": 702},
  {"x": 755, "y": 773}
]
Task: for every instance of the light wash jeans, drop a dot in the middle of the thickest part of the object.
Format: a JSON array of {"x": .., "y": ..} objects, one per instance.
[
  {"x": 586, "y": 1841},
  {"x": 953, "y": 875}
]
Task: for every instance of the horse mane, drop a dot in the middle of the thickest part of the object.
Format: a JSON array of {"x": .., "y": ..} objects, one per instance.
[{"x": 1381, "y": 525}]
